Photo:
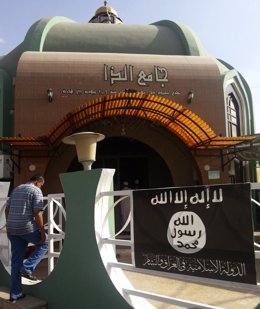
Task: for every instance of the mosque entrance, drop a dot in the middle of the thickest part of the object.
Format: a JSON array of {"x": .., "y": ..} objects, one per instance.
[
  {"x": 137, "y": 166},
  {"x": 135, "y": 163}
]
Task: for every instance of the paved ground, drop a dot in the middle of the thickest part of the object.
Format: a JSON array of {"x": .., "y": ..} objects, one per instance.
[
  {"x": 210, "y": 295},
  {"x": 223, "y": 297}
]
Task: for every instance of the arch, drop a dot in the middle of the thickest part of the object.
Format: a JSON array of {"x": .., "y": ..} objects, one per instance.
[
  {"x": 180, "y": 121},
  {"x": 174, "y": 117}
]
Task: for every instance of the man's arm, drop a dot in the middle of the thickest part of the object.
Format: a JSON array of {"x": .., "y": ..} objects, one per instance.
[
  {"x": 39, "y": 220},
  {"x": 7, "y": 206},
  {"x": 6, "y": 212}
]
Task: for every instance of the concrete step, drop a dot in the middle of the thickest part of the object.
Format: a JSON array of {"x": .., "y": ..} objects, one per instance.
[{"x": 29, "y": 302}]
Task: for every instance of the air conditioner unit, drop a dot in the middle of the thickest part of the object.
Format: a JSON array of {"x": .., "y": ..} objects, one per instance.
[{"x": 6, "y": 166}]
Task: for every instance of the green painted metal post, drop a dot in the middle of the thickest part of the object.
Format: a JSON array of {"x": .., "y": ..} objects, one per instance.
[{"x": 79, "y": 279}]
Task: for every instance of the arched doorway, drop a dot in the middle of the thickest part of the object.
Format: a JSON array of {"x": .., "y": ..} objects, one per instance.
[{"x": 134, "y": 162}]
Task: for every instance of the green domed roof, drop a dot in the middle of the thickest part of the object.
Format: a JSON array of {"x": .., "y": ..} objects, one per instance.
[
  {"x": 35, "y": 37},
  {"x": 163, "y": 37}
]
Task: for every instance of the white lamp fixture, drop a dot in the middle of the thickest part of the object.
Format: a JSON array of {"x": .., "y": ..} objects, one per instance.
[
  {"x": 50, "y": 94},
  {"x": 206, "y": 167},
  {"x": 32, "y": 168},
  {"x": 190, "y": 96},
  {"x": 86, "y": 145}
]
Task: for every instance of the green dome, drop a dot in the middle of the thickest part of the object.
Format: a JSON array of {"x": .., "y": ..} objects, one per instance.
[{"x": 163, "y": 37}]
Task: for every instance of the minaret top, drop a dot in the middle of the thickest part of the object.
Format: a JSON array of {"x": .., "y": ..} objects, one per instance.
[{"x": 106, "y": 15}]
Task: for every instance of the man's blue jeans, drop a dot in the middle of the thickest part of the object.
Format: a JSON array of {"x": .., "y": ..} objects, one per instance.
[{"x": 19, "y": 245}]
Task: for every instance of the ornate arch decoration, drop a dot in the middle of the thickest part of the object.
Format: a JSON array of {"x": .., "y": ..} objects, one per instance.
[{"x": 180, "y": 121}]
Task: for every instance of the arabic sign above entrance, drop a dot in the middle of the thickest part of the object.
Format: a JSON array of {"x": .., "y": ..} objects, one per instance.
[
  {"x": 128, "y": 74},
  {"x": 104, "y": 92}
]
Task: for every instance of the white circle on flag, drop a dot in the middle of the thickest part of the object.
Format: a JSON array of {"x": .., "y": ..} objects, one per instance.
[{"x": 186, "y": 232}]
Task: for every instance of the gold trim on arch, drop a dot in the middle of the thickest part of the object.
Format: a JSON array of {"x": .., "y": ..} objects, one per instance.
[{"x": 180, "y": 121}]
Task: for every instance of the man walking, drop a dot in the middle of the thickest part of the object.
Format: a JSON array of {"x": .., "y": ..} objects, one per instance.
[{"x": 24, "y": 224}]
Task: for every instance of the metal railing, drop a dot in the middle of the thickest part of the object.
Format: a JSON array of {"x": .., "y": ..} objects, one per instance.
[
  {"x": 55, "y": 212},
  {"x": 257, "y": 245},
  {"x": 55, "y": 226},
  {"x": 5, "y": 248},
  {"x": 116, "y": 240}
]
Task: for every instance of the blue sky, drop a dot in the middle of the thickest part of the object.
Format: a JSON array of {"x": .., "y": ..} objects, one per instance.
[{"x": 228, "y": 29}]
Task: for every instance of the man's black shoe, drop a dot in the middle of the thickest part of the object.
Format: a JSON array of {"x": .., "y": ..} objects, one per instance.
[
  {"x": 13, "y": 300},
  {"x": 29, "y": 276}
]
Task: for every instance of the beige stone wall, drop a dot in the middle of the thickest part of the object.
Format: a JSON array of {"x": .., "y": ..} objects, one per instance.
[{"x": 77, "y": 78}]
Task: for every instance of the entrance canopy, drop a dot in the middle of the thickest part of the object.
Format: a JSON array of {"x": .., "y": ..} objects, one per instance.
[{"x": 180, "y": 121}]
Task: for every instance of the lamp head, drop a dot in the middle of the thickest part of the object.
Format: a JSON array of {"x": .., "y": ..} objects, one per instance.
[{"x": 86, "y": 144}]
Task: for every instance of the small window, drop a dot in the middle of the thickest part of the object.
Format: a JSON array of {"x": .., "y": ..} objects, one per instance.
[{"x": 233, "y": 116}]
